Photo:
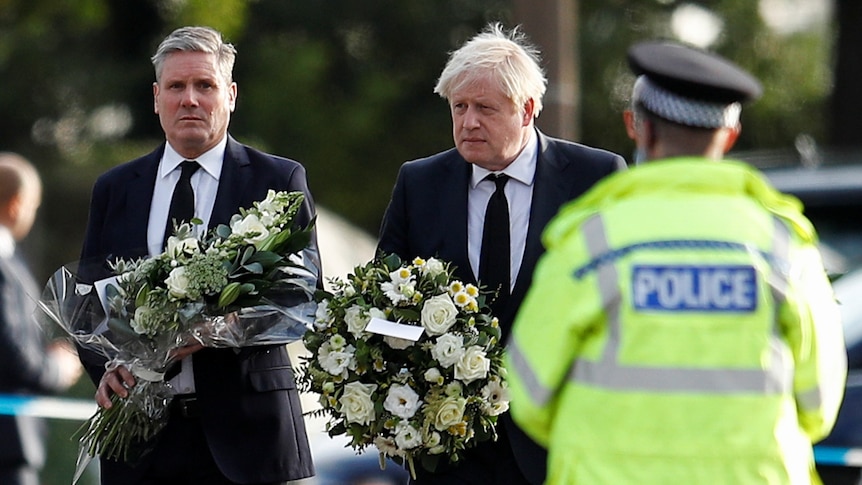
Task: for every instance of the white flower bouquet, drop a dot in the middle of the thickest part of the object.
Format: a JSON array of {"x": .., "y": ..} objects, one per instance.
[
  {"x": 249, "y": 283},
  {"x": 423, "y": 400}
]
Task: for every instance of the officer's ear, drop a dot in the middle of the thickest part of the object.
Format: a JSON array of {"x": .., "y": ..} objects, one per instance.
[
  {"x": 731, "y": 135},
  {"x": 629, "y": 121}
]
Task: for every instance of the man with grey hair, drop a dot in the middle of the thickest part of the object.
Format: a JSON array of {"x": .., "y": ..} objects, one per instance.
[
  {"x": 28, "y": 363},
  {"x": 236, "y": 417},
  {"x": 483, "y": 205}
]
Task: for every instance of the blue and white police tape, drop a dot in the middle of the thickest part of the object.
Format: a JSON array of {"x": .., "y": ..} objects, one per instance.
[
  {"x": 836, "y": 455},
  {"x": 46, "y": 407}
]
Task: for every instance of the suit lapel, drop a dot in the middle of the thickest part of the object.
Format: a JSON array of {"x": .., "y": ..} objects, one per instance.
[
  {"x": 139, "y": 193},
  {"x": 454, "y": 216},
  {"x": 550, "y": 191},
  {"x": 232, "y": 182}
]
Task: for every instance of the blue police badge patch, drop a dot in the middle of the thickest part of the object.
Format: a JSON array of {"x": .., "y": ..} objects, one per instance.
[{"x": 694, "y": 288}]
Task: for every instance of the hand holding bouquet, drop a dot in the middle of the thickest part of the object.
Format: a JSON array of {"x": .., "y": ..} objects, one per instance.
[
  {"x": 425, "y": 400},
  {"x": 249, "y": 283}
]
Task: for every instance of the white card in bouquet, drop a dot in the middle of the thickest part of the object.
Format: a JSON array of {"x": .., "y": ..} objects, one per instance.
[
  {"x": 103, "y": 299},
  {"x": 392, "y": 329}
]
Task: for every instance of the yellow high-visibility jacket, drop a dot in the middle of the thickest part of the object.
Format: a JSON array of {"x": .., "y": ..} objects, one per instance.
[{"x": 680, "y": 329}]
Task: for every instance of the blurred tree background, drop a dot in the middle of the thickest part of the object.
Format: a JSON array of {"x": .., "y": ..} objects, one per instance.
[{"x": 345, "y": 87}]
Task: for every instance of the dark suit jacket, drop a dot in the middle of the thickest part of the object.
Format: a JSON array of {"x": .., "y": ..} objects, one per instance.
[
  {"x": 250, "y": 406},
  {"x": 24, "y": 365},
  {"x": 427, "y": 217}
]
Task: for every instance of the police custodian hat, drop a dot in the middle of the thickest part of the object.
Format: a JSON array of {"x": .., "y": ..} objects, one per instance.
[{"x": 690, "y": 86}]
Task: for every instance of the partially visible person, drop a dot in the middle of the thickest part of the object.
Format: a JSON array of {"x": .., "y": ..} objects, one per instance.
[
  {"x": 689, "y": 333},
  {"x": 236, "y": 417},
  {"x": 29, "y": 365},
  {"x": 482, "y": 206}
]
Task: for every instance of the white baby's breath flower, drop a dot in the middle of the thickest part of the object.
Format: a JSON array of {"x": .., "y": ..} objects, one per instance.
[
  {"x": 448, "y": 349},
  {"x": 402, "y": 401}
]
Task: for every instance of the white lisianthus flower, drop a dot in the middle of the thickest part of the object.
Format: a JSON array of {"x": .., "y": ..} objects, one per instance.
[
  {"x": 433, "y": 376},
  {"x": 432, "y": 442},
  {"x": 250, "y": 228},
  {"x": 474, "y": 364},
  {"x": 177, "y": 282},
  {"x": 438, "y": 314},
  {"x": 402, "y": 401},
  {"x": 387, "y": 446},
  {"x": 336, "y": 362},
  {"x": 433, "y": 267},
  {"x": 450, "y": 413},
  {"x": 269, "y": 208},
  {"x": 177, "y": 247},
  {"x": 321, "y": 316},
  {"x": 495, "y": 397},
  {"x": 356, "y": 320},
  {"x": 337, "y": 342},
  {"x": 406, "y": 436},
  {"x": 454, "y": 389},
  {"x": 356, "y": 403},
  {"x": 448, "y": 349}
]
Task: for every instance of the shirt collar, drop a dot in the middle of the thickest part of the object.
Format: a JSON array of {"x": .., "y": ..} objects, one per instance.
[
  {"x": 7, "y": 242},
  {"x": 522, "y": 169},
  {"x": 211, "y": 161}
]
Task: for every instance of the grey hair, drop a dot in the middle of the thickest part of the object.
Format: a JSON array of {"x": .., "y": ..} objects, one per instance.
[
  {"x": 197, "y": 39},
  {"x": 17, "y": 176},
  {"x": 507, "y": 57}
]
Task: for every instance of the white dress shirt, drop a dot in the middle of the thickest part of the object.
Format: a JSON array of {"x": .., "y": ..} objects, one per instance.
[
  {"x": 519, "y": 194},
  {"x": 205, "y": 185}
]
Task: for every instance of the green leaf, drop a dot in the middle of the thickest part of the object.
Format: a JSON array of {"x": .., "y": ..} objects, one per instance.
[{"x": 229, "y": 294}]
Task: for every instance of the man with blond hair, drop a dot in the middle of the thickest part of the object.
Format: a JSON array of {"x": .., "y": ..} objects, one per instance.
[{"x": 482, "y": 206}]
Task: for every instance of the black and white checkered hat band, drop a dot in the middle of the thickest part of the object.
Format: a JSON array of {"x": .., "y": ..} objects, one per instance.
[{"x": 682, "y": 110}]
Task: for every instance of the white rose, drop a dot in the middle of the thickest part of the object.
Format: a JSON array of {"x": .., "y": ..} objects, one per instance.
[
  {"x": 402, "y": 401},
  {"x": 250, "y": 228},
  {"x": 356, "y": 320},
  {"x": 450, "y": 413},
  {"x": 356, "y": 403},
  {"x": 176, "y": 247},
  {"x": 472, "y": 365},
  {"x": 138, "y": 323},
  {"x": 448, "y": 349},
  {"x": 177, "y": 282},
  {"x": 433, "y": 267},
  {"x": 438, "y": 314}
]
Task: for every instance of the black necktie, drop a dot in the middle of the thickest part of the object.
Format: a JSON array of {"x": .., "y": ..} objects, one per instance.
[
  {"x": 183, "y": 201},
  {"x": 495, "y": 258}
]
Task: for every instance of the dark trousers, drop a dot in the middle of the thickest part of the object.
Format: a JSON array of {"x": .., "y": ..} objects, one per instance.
[{"x": 181, "y": 457}]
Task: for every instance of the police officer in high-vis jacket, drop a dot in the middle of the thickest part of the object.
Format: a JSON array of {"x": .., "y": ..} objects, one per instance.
[{"x": 680, "y": 328}]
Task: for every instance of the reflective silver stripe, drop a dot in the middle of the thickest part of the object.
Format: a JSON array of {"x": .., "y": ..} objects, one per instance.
[
  {"x": 608, "y": 373},
  {"x": 539, "y": 393},
  {"x": 810, "y": 400}
]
